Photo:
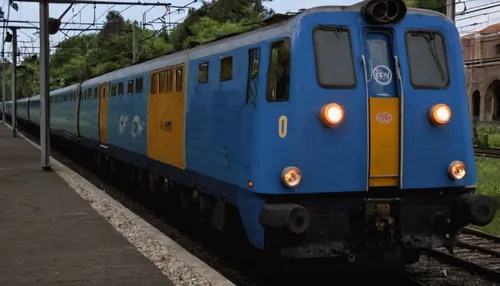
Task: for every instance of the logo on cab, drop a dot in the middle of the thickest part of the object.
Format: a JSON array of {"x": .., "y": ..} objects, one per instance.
[
  {"x": 382, "y": 75},
  {"x": 384, "y": 117}
]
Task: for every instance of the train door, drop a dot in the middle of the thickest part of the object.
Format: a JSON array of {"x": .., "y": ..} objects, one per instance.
[
  {"x": 384, "y": 109},
  {"x": 103, "y": 112},
  {"x": 166, "y": 116},
  {"x": 77, "y": 117}
]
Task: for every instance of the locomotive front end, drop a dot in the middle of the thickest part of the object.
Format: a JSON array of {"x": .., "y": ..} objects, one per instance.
[{"x": 376, "y": 161}]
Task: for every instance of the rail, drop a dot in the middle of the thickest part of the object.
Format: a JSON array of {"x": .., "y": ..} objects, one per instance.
[
  {"x": 474, "y": 253},
  {"x": 487, "y": 152}
]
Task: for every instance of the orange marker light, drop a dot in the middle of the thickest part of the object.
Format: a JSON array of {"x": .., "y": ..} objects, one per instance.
[
  {"x": 291, "y": 177},
  {"x": 331, "y": 114},
  {"x": 440, "y": 114},
  {"x": 457, "y": 170}
]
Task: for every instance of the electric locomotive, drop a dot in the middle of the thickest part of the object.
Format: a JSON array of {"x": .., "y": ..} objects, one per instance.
[
  {"x": 373, "y": 146},
  {"x": 339, "y": 131}
]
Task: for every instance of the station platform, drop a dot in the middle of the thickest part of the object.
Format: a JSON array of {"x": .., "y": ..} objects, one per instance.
[{"x": 49, "y": 235}]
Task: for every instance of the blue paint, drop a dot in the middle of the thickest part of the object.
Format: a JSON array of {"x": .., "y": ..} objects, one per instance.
[
  {"x": 89, "y": 115},
  {"x": 428, "y": 150},
  {"x": 330, "y": 159},
  {"x": 122, "y": 111},
  {"x": 232, "y": 130}
]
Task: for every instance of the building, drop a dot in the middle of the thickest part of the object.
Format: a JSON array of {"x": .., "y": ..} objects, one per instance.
[{"x": 481, "y": 52}]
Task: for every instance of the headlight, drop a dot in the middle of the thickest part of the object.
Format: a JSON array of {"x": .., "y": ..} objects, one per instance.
[
  {"x": 291, "y": 177},
  {"x": 440, "y": 114},
  {"x": 457, "y": 170},
  {"x": 331, "y": 114}
]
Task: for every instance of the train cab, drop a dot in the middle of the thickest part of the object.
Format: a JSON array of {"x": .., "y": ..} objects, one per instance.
[{"x": 370, "y": 132}]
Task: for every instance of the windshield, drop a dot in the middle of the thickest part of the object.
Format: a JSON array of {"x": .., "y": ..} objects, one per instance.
[
  {"x": 427, "y": 59},
  {"x": 334, "y": 63}
]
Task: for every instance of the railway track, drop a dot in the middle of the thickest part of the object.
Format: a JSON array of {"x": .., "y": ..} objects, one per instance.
[
  {"x": 430, "y": 274},
  {"x": 487, "y": 152},
  {"x": 477, "y": 252}
]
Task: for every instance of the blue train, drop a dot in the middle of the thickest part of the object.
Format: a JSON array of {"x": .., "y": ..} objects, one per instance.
[{"x": 340, "y": 131}]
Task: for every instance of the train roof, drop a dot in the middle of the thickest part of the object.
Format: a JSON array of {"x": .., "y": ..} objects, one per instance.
[
  {"x": 64, "y": 89},
  {"x": 23, "y": 99},
  {"x": 273, "y": 27}
]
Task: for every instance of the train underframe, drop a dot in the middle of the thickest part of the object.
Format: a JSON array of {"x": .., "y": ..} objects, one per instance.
[{"x": 381, "y": 225}]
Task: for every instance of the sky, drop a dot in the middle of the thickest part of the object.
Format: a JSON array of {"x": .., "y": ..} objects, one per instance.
[{"x": 80, "y": 13}]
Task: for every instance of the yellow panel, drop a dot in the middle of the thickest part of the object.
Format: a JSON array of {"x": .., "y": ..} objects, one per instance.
[
  {"x": 166, "y": 116},
  {"x": 384, "y": 141},
  {"x": 103, "y": 112}
]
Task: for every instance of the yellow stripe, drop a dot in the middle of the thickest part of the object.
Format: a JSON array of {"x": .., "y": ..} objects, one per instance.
[{"x": 384, "y": 142}]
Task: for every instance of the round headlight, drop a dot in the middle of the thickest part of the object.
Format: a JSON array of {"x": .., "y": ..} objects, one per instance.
[
  {"x": 291, "y": 177},
  {"x": 440, "y": 114},
  {"x": 457, "y": 170},
  {"x": 331, "y": 114}
]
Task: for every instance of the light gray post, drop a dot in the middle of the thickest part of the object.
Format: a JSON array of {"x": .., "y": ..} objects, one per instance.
[
  {"x": 450, "y": 9},
  {"x": 44, "y": 85},
  {"x": 14, "y": 81},
  {"x": 135, "y": 43},
  {"x": 4, "y": 89}
]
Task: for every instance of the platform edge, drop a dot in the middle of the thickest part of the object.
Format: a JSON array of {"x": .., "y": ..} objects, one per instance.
[{"x": 211, "y": 275}]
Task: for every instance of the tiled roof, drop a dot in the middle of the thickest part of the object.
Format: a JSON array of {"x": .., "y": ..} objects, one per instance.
[
  {"x": 493, "y": 29},
  {"x": 490, "y": 29}
]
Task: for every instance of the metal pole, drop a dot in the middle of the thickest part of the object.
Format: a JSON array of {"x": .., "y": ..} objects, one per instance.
[
  {"x": 135, "y": 44},
  {"x": 450, "y": 9},
  {"x": 4, "y": 90},
  {"x": 44, "y": 85},
  {"x": 14, "y": 81}
]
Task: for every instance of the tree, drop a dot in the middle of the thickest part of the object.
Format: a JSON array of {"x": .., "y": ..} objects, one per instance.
[
  {"x": 436, "y": 5},
  {"x": 81, "y": 57}
]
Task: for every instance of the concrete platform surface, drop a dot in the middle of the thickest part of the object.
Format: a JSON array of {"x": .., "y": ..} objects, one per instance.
[{"x": 49, "y": 235}]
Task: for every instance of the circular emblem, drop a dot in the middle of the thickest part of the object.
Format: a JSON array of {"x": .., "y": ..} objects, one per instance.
[
  {"x": 384, "y": 117},
  {"x": 122, "y": 124},
  {"x": 136, "y": 126},
  {"x": 382, "y": 75}
]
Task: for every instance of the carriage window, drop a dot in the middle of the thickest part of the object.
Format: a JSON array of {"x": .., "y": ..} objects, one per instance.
[
  {"x": 226, "y": 69},
  {"x": 138, "y": 84},
  {"x": 170, "y": 81},
  {"x": 427, "y": 59},
  {"x": 163, "y": 83},
  {"x": 178, "y": 80},
  {"x": 95, "y": 92},
  {"x": 130, "y": 87},
  {"x": 154, "y": 88},
  {"x": 333, "y": 54},
  {"x": 113, "y": 89},
  {"x": 120, "y": 88},
  {"x": 254, "y": 63},
  {"x": 203, "y": 72},
  {"x": 278, "y": 81}
]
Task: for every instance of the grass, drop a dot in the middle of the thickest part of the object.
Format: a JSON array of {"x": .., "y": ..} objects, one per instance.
[
  {"x": 488, "y": 172},
  {"x": 493, "y": 132}
]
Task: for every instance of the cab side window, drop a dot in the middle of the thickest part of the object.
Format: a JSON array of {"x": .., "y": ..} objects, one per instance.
[{"x": 278, "y": 79}]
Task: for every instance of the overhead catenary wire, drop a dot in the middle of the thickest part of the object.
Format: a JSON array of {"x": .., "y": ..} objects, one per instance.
[{"x": 80, "y": 11}]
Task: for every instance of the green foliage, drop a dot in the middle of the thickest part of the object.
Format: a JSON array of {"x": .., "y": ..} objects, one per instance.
[
  {"x": 436, "y": 5},
  {"x": 489, "y": 184},
  {"x": 485, "y": 135},
  {"x": 88, "y": 55}
]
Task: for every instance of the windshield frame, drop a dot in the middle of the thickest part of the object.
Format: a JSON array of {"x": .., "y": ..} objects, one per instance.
[
  {"x": 445, "y": 65},
  {"x": 334, "y": 28}
]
